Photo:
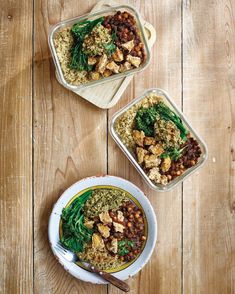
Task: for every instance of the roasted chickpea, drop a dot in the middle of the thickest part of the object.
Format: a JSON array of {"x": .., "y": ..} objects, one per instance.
[
  {"x": 125, "y": 14},
  {"x": 169, "y": 177},
  {"x": 143, "y": 238},
  {"x": 129, "y": 224},
  {"x": 178, "y": 173},
  {"x": 137, "y": 215}
]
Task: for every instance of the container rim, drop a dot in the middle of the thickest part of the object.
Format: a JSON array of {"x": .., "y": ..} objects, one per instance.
[
  {"x": 106, "y": 79},
  {"x": 188, "y": 172}
]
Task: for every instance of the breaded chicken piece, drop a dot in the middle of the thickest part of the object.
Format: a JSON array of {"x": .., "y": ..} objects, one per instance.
[
  {"x": 92, "y": 60},
  {"x": 113, "y": 245},
  {"x": 125, "y": 66},
  {"x": 102, "y": 63},
  {"x": 140, "y": 152},
  {"x": 120, "y": 216},
  {"x": 134, "y": 60},
  {"x": 138, "y": 137},
  {"x": 107, "y": 73},
  {"x": 105, "y": 217},
  {"x": 118, "y": 55},
  {"x": 89, "y": 224},
  {"x": 149, "y": 141},
  {"x": 129, "y": 45},
  {"x": 95, "y": 75},
  {"x": 156, "y": 150},
  {"x": 166, "y": 164},
  {"x": 151, "y": 161},
  {"x": 118, "y": 227},
  {"x": 97, "y": 242},
  {"x": 154, "y": 174},
  {"x": 104, "y": 230},
  {"x": 113, "y": 67}
]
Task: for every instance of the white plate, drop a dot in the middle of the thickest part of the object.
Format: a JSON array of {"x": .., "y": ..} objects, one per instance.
[{"x": 54, "y": 222}]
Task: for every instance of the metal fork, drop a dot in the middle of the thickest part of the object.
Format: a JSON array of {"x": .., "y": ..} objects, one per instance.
[{"x": 72, "y": 257}]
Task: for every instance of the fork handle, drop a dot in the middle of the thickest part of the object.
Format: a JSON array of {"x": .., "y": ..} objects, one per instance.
[{"x": 111, "y": 279}]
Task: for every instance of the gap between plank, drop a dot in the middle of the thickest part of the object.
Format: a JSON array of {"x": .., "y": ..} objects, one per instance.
[
  {"x": 182, "y": 185},
  {"x": 33, "y": 20}
]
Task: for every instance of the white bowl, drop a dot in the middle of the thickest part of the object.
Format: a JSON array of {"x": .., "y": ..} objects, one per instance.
[{"x": 137, "y": 194}]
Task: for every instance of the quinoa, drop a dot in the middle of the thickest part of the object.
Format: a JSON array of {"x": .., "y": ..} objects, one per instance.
[
  {"x": 104, "y": 200},
  {"x": 103, "y": 259},
  {"x": 124, "y": 125},
  {"x": 167, "y": 133},
  {"x": 63, "y": 42},
  {"x": 94, "y": 43}
]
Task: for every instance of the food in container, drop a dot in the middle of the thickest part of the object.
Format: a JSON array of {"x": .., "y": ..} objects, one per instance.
[
  {"x": 105, "y": 227},
  {"x": 98, "y": 47},
  {"x": 158, "y": 140},
  {"x": 134, "y": 197}
]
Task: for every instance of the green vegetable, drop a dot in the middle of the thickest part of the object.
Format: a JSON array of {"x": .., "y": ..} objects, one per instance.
[
  {"x": 79, "y": 60},
  {"x": 173, "y": 153},
  {"x": 124, "y": 247},
  {"x": 75, "y": 233},
  {"x": 114, "y": 36},
  {"x": 166, "y": 113},
  {"x": 110, "y": 48},
  {"x": 146, "y": 117}
]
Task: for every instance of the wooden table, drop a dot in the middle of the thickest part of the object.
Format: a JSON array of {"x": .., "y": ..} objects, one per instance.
[{"x": 50, "y": 138}]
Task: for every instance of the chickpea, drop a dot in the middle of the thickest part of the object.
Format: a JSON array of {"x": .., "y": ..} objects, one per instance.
[
  {"x": 131, "y": 216},
  {"x": 129, "y": 209},
  {"x": 143, "y": 238},
  {"x": 178, "y": 173},
  {"x": 192, "y": 162},
  {"x": 169, "y": 177},
  {"x": 125, "y": 14},
  {"x": 137, "y": 215},
  {"x": 129, "y": 224}
]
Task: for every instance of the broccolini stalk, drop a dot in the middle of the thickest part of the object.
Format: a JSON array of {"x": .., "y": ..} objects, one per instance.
[{"x": 75, "y": 233}]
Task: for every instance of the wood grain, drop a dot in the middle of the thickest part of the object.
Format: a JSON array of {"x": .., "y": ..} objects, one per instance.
[
  {"x": 209, "y": 195},
  {"x": 16, "y": 259},
  {"x": 70, "y": 137},
  {"x": 163, "y": 273},
  {"x": 194, "y": 60}
]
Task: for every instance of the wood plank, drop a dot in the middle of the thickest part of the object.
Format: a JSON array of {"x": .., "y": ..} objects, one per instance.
[
  {"x": 70, "y": 143},
  {"x": 209, "y": 196},
  {"x": 16, "y": 271},
  {"x": 163, "y": 273}
]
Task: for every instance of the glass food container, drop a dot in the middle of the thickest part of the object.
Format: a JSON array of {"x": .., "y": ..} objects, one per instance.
[
  {"x": 92, "y": 16},
  {"x": 131, "y": 156}
]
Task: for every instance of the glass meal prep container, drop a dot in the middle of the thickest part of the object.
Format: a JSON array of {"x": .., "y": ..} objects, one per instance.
[
  {"x": 92, "y": 16},
  {"x": 131, "y": 153}
]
